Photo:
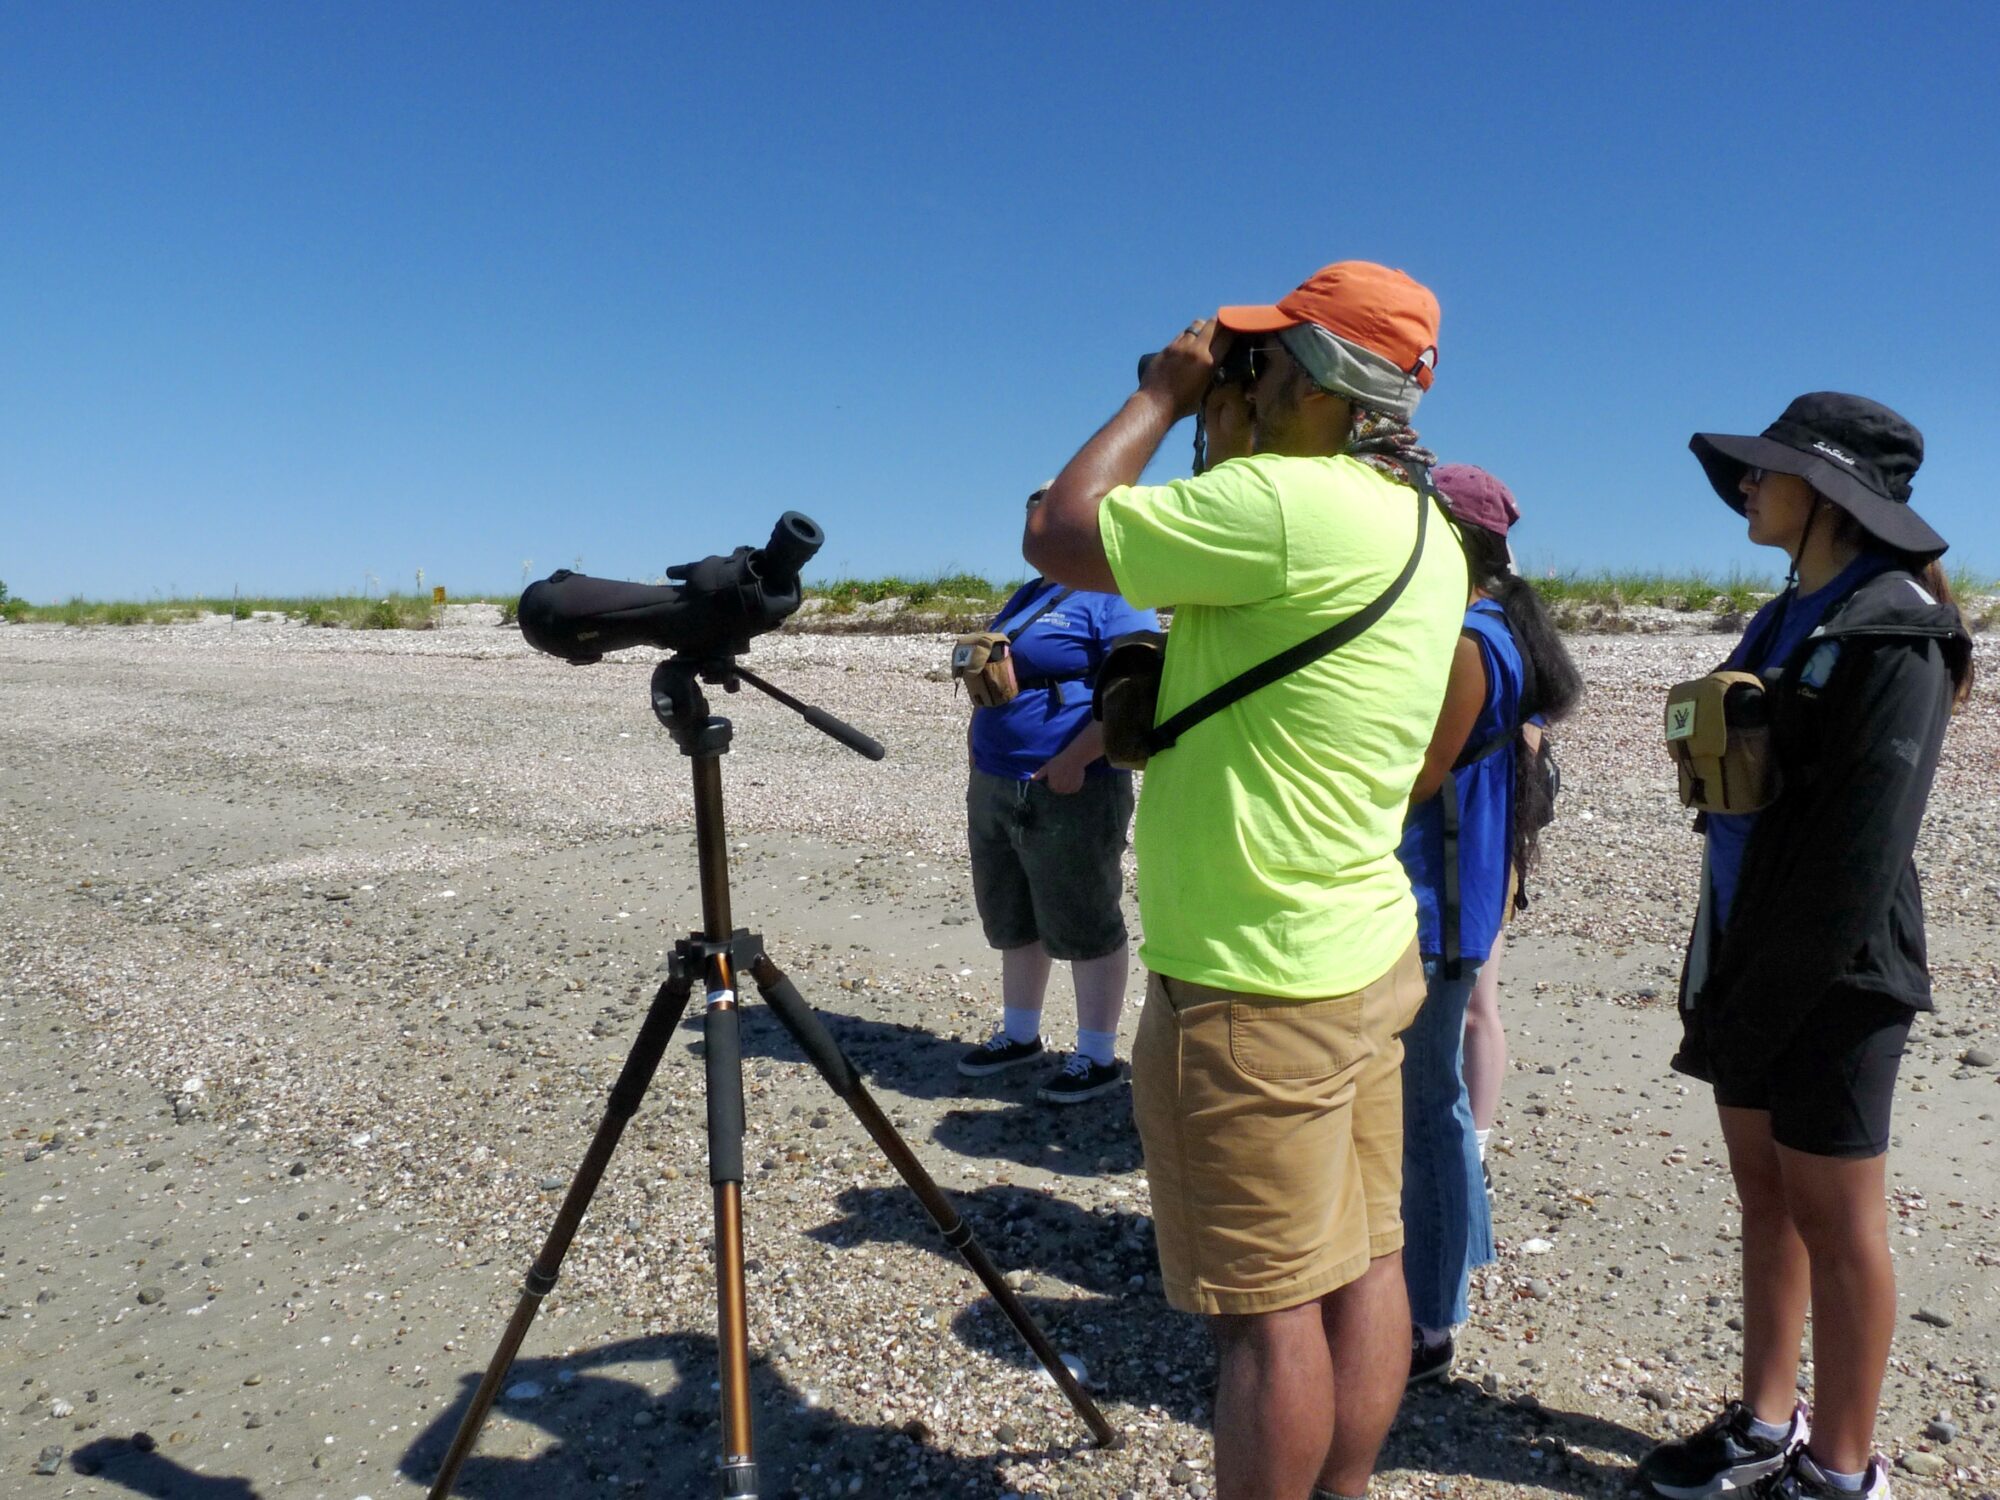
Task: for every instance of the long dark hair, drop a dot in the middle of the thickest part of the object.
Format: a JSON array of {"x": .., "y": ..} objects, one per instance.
[
  {"x": 1558, "y": 685},
  {"x": 1928, "y": 571}
]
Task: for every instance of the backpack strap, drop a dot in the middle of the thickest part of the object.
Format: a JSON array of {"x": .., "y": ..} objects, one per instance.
[
  {"x": 1163, "y": 736},
  {"x": 1449, "y": 804}
]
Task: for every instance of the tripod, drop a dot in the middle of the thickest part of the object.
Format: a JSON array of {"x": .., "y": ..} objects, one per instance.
[{"x": 718, "y": 954}]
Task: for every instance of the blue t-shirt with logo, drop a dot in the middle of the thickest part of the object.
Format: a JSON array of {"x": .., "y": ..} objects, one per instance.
[
  {"x": 1056, "y": 660},
  {"x": 1774, "y": 637},
  {"x": 1486, "y": 807}
]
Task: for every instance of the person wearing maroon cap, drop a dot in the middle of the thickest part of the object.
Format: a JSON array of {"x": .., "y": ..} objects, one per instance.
[
  {"x": 1473, "y": 830},
  {"x": 1279, "y": 928},
  {"x": 1806, "y": 965}
]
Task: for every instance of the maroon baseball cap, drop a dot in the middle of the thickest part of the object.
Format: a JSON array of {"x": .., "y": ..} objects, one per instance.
[{"x": 1476, "y": 498}]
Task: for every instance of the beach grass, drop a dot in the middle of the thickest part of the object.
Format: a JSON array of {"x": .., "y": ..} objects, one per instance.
[
  {"x": 1684, "y": 593},
  {"x": 1579, "y": 599}
]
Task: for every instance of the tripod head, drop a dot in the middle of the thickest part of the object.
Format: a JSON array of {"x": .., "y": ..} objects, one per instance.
[{"x": 719, "y": 605}]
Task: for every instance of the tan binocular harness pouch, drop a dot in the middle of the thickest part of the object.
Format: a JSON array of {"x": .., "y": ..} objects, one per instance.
[
  {"x": 1718, "y": 731},
  {"x": 983, "y": 661}
]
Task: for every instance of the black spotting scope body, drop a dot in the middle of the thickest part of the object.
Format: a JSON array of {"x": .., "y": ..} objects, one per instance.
[{"x": 720, "y": 603}]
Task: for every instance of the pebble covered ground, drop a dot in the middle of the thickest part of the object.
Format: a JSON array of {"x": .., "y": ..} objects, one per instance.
[{"x": 319, "y": 951}]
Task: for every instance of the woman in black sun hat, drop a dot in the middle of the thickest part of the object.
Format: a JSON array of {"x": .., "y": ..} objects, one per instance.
[{"x": 1807, "y": 961}]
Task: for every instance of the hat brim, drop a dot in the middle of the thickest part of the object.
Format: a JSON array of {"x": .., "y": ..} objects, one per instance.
[
  {"x": 1254, "y": 319},
  {"x": 1725, "y": 456}
]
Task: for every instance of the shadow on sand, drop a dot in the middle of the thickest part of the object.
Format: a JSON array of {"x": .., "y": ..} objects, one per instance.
[
  {"x": 596, "y": 1426},
  {"x": 138, "y": 1469}
]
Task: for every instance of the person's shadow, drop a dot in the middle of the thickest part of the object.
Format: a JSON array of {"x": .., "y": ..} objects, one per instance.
[
  {"x": 1513, "y": 1441},
  {"x": 1021, "y": 1229},
  {"x": 1136, "y": 1349},
  {"x": 599, "y": 1427},
  {"x": 1097, "y": 1139},
  {"x": 140, "y": 1469},
  {"x": 890, "y": 1056}
]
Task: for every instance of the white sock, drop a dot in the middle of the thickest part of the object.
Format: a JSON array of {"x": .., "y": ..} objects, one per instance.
[
  {"x": 1434, "y": 1338},
  {"x": 1852, "y": 1484},
  {"x": 1770, "y": 1432},
  {"x": 1021, "y": 1025},
  {"x": 1101, "y": 1047},
  {"x": 1482, "y": 1137}
]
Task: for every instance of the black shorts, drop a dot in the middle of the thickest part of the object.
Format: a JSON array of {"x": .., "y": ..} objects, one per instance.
[
  {"x": 1049, "y": 866},
  {"x": 1829, "y": 1092}
]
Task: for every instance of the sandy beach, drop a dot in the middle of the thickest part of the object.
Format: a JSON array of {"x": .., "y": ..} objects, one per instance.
[{"x": 319, "y": 951}]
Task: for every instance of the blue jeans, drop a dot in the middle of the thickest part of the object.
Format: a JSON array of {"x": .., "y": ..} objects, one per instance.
[{"x": 1447, "y": 1224}]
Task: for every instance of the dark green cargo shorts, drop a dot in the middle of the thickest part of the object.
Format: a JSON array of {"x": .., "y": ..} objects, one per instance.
[{"x": 1047, "y": 866}]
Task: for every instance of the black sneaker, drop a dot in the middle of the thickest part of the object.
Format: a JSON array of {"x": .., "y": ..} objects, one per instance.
[
  {"x": 997, "y": 1054},
  {"x": 1428, "y": 1361},
  {"x": 1079, "y": 1079},
  {"x": 1724, "y": 1455},
  {"x": 1804, "y": 1479}
]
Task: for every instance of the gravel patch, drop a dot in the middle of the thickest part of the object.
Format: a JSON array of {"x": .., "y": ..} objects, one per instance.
[{"x": 320, "y": 949}]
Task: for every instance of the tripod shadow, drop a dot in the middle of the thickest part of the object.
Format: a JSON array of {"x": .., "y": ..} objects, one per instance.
[
  {"x": 1457, "y": 1429},
  {"x": 146, "y": 1471},
  {"x": 596, "y": 1424}
]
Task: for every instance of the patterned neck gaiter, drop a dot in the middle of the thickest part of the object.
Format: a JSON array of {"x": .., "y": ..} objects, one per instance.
[{"x": 1386, "y": 443}]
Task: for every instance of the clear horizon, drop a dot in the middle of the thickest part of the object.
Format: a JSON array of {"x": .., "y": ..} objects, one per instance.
[{"x": 301, "y": 295}]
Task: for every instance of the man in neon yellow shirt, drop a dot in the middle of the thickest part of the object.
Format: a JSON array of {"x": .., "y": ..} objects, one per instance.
[{"x": 1279, "y": 928}]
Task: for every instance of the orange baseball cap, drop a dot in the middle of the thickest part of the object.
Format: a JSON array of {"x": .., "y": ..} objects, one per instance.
[{"x": 1383, "y": 311}]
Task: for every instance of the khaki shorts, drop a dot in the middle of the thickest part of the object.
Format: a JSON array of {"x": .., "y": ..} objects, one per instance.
[{"x": 1273, "y": 1132}]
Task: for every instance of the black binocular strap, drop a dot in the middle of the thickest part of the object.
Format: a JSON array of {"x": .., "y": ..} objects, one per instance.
[
  {"x": 1162, "y": 736},
  {"x": 1047, "y": 604}
]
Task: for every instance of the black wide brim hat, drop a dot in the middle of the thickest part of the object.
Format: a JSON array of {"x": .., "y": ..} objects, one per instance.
[{"x": 1857, "y": 453}]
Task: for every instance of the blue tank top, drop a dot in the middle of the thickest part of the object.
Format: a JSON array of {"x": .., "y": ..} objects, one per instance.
[{"x": 1486, "y": 806}]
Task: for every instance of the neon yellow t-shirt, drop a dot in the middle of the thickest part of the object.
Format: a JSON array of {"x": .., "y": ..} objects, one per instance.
[{"x": 1267, "y": 836}]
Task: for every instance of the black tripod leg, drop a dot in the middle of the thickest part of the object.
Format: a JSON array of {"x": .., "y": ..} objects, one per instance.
[
  {"x": 723, "y": 1054},
  {"x": 633, "y": 1081},
  {"x": 798, "y": 1018}
]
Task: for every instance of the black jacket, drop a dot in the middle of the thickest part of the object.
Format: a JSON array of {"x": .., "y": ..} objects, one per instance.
[{"x": 1828, "y": 897}]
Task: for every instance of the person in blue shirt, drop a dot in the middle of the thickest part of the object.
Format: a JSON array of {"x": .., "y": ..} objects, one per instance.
[
  {"x": 1474, "y": 815},
  {"x": 1047, "y": 818}
]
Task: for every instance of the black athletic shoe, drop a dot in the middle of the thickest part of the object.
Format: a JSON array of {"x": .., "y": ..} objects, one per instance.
[
  {"x": 997, "y": 1054},
  {"x": 1428, "y": 1361},
  {"x": 1724, "y": 1455},
  {"x": 1079, "y": 1079},
  {"x": 1804, "y": 1479}
]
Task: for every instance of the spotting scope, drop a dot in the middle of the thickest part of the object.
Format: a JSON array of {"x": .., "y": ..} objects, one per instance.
[{"x": 718, "y": 605}]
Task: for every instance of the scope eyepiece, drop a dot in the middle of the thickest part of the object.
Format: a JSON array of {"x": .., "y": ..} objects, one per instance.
[{"x": 793, "y": 542}]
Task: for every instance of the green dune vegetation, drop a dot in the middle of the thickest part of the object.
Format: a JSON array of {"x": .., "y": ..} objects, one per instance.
[{"x": 1605, "y": 600}]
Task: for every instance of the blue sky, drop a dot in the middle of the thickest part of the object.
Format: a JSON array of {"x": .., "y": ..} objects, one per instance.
[{"x": 296, "y": 296}]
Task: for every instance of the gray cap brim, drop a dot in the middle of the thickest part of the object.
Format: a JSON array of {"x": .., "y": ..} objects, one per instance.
[{"x": 1345, "y": 368}]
